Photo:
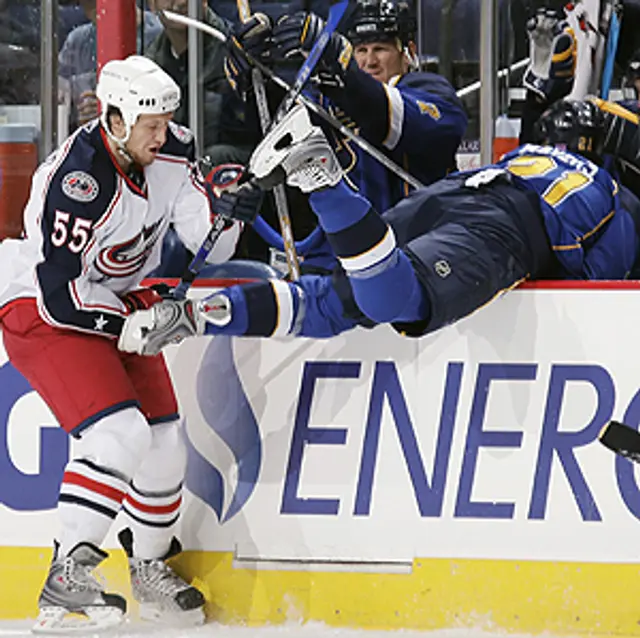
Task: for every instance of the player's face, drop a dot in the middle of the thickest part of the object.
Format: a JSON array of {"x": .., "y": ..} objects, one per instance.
[
  {"x": 382, "y": 60},
  {"x": 147, "y": 137}
]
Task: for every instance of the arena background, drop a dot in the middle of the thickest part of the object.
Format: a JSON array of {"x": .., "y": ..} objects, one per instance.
[{"x": 367, "y": 480}]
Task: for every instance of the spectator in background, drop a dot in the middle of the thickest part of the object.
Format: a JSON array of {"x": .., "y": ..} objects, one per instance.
[
  {"x": 226, "y": 131},
  {"x": 78, "y": 61}
]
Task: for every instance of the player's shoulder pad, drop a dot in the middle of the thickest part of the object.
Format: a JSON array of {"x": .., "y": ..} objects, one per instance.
[
  {"x": 180, "y": 142},
  {"x": 430, "y": 83},
  {"x": 83, "y": 181}
]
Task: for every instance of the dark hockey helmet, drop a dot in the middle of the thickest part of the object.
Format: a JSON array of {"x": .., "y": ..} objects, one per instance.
[
  {"x": 382, "y": 21},
  {"x": 576, "y": 126}
]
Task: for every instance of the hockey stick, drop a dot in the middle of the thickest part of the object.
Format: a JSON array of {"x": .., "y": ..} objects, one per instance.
[
  {"x": 613, "y": 35},
  {"x": 621, "y": 439},
  {"x": 200, "y": 258},
  {"x": 474, "y": 86},
  {"x": 310, "y": 104},
  {"x": 279, "y": 193}
]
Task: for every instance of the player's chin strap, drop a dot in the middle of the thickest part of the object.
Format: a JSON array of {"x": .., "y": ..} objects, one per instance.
[{"x": 119, "y": 141}]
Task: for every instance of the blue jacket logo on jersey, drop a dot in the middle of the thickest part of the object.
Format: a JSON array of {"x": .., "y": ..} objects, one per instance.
[
  {"x": 127, "y": 258},
  {"x": 228, "y": 413}
]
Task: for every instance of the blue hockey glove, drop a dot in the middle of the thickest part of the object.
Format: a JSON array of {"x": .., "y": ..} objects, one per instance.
[
  {"x": 296, "y": 34},
  {"x": 254, "y": 38},
  {"x": 553, "y": 53}
]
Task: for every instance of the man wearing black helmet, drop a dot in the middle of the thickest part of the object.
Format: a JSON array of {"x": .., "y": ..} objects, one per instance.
[
  {"x": 543, "y": 211},
  {"x": 370, "y": 80}
]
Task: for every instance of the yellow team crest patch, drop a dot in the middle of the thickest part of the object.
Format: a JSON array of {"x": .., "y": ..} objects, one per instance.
[{"x": 429, "y": 108}]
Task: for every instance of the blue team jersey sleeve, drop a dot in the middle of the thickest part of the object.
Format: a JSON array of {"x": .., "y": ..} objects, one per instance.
[
  {"x": 423, "y": 111},
  {"x": 76, "y": 203},
  {"x": 405, "y": 115}
]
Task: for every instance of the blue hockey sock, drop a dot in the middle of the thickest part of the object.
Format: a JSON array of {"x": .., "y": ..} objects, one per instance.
[
  {"x": 390, "y": 291},
  {"x": 359, "y": 237},
  {"x": 338, "y": 207}
]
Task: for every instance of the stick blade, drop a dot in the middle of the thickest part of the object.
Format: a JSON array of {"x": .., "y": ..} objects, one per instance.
[{"x": 621, "y": 439}]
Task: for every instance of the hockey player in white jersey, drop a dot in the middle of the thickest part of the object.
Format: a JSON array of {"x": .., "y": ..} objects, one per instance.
[{"x": 94, "y": 223}]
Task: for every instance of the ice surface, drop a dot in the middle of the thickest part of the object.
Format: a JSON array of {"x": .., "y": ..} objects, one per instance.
[{"x": 20, "y": 629}]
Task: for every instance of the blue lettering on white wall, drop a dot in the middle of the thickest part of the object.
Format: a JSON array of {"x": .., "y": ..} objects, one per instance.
[
  {"x": 387, "y": 384},
  {"x": 304, "y": 435},
  {"x": 563, "y": 443},
  {"x": 477, "y": 438},
  {"x": 429, "y": 484},
  {"x": 625, "y": 474},
  {"x": 18, "y": 490}
]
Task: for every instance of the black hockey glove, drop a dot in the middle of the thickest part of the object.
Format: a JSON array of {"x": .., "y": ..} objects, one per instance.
[
  {"x": 232, "y": 195},
  {"x": 296, "y": 34},
  {"x": 254, "y": 38}
]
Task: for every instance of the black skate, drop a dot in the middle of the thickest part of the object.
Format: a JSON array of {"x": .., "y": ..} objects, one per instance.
[
  {"x": 163, "y": 596},
  {"x": 72, "y": 600}
]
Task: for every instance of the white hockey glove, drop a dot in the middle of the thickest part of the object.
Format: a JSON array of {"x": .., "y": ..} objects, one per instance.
[
  {"x": 298, "y": 149},
  {"x": 147, "y": 332},
  {"x": 553, "y": 53}
]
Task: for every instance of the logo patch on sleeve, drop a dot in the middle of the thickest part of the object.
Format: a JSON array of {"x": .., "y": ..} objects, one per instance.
[
  {"x": 80, "y": 186},
  {"x": 429, "y": 108}
]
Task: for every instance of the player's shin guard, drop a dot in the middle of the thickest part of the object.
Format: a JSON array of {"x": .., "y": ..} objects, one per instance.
[
  {"x": 154, "y": 496},
  {"x": 95, "y": 482},
  {"x": 153, "y": 508}
]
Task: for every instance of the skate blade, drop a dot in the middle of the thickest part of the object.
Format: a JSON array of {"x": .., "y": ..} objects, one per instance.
[
  {"x": 176, "y": 619},
  {"x": 58, "y": 620}
]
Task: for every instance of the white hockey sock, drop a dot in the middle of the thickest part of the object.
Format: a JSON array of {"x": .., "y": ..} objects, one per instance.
[
  {"x": 96, "y": 481},
  {"x": 90, "y": 498},
  {"x": 154, "y": 498}
]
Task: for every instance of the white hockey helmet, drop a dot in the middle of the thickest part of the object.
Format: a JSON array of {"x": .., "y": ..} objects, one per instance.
[{"x": 136, "y": 86}]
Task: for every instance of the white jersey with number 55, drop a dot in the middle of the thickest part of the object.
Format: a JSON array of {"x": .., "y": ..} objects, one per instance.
[{"x": 94, "y": 232}]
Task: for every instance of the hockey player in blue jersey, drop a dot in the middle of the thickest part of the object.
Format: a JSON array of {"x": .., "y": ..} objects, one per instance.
[
  {"x": 543, "y": 211},
  {"x": 368, "y": 79}
]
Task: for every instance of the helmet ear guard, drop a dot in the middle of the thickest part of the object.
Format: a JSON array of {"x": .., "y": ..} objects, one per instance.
[{"x": 135, "y": 86}]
